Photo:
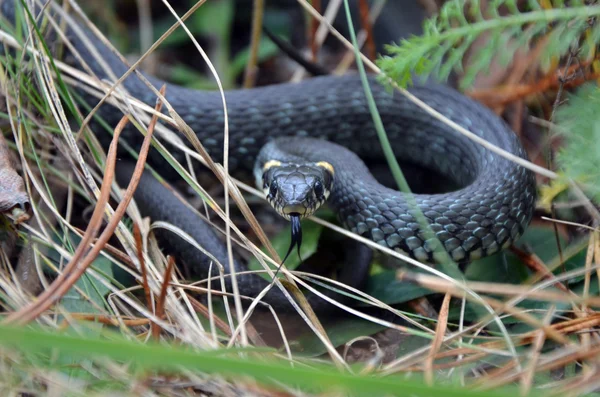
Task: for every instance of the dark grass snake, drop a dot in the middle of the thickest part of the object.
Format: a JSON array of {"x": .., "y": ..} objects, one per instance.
[{"x": 489, "y": 212}]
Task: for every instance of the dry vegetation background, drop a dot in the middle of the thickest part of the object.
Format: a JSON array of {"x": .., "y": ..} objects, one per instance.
[{"x": 101, "y": 311}]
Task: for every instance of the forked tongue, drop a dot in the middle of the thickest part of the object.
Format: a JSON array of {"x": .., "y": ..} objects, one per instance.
[{"x": 296, "y": 240}]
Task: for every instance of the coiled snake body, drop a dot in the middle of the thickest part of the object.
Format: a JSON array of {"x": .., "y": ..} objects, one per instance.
[{"x": 489, "y": 212}]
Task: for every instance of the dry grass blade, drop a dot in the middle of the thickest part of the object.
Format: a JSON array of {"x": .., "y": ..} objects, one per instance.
[
  {"x": 253, "y": 334},
  {"x": 313, "y": 26},
  {"x": 437, "y": 284},
  {"x": 365, "y": 22},
  {"x": 79, "y": 263},
  {"x": 527, "y": 379},
  {"x": 113, "y": 251},
  {"x": 440, "y": 331},
  {"x": 257, "y": 22},
  {"x": 479, "y": 352},
  {"x": 160, "y": 303},
  {"x": 139, "y": 245},
  {"x": 554, "y": 360},
  {"x": 321, "y": 31},
  {"x": 104, "y": 319},
  {"x": 536, "y": 265},
  {"x": 512, "y": 93},
  {"x": 49, "y": 296}
]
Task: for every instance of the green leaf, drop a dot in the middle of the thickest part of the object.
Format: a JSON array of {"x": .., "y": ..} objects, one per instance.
[
  {"x": 506, "y": 267},
  {"x": 281, "y": 242},
  {"x": 93, "y": 289},
  {"x": 386, "y": 288},
  {"x": 266, "y": 50},
  {"x": 339, "y": 331},
  {"x": 448, "y": 35},
  {"x": 214, "y": 18},
  {"x": 579, "y": 124},
  {"x": 189, "y": 77},
  {"x": 227, "y": 362},
  {"x": 497, "y": 268}
]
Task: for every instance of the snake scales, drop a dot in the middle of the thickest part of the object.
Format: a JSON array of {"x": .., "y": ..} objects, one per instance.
[{"x": 489, "y": 212}]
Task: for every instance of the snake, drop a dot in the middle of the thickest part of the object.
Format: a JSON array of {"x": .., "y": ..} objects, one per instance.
[{"x": 325, "y": 123}]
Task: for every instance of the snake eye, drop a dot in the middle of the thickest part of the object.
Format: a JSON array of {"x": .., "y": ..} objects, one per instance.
[
  {"x": 318, "y": 189},
  {"x": 273, "y": 189}
]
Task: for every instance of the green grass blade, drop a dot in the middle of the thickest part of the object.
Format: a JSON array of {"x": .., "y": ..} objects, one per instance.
[{"x": 155, "y": 356}]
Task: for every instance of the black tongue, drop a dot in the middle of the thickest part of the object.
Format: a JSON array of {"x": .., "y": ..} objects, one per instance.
[{"x": 296, "y": 238}]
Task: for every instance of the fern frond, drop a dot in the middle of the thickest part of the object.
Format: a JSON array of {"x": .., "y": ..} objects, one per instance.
[
  {"x": 449, "y": 35},
  {"x": 579, "y": 122}
]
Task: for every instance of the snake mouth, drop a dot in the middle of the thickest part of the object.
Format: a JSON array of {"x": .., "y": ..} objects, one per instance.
[{"x": 297, "y": 209}]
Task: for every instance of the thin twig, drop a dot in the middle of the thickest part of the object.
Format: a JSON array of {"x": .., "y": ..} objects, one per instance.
[
  {"x": 440, "y": 332},
  {"x": 365, "y": 22},
  {"x": 314, "y": 25},
  {"x": 139, "y": 245},
  {"x": 257, "y": 21},
  {"x": 160, "y": 303}
]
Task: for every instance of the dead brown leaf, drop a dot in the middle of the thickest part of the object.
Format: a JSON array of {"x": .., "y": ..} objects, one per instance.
[{"x": 14, "y": 200}]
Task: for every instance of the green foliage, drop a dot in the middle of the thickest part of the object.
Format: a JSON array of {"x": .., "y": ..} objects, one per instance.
[
  {"x": 449, "y": 35},
  {"x": 214, "y": 20},
  {"x": 265, "y": 368},
  {"x": 579, "y": 123},
  {"x": 311, "y": 232},
  {"x": 88, "y": 294}
]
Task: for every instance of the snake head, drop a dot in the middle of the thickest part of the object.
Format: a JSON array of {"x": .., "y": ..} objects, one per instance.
[{"x": 297, "y": 189}]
